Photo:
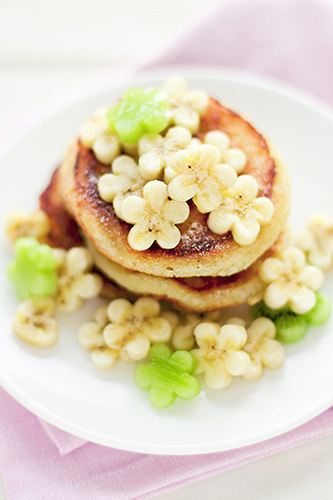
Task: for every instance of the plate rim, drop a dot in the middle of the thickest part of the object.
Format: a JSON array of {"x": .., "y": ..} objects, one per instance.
[{"x": 188, "y": 71}]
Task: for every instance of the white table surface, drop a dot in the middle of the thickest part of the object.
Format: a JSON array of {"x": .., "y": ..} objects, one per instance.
[{"x": 35, "y": 76}]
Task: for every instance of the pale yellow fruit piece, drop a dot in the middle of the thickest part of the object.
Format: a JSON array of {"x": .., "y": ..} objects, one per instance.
[
  {"x": 317, "y": 241},
  {"x": 92, "y": 129},
  {"x": 263, "y": 349},
  {"x": 75, "y": 283},
  {"x": 290, "y": 281},
  {"x": 106, "y": 148},
  {"x": 123, "y": 180},
  {"x": 91, "y": 336},
  {"x": 20, "y": 225},
  {"x": 34, "y": 322},
  {"x": 137, "y": 348},
  {"x": 154, "y": 217},
  {"x": 241, "y": 212},
  {"x": 104, "y": 358}
]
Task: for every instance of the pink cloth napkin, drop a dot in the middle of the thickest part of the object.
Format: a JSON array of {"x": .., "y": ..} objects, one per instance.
[
  {"x": 290, "y": 40},
  {"x": 33, "y": 468}
]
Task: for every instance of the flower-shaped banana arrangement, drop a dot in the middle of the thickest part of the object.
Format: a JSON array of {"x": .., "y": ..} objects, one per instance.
[
  {"x": 97, "y": 135},
  {"x": 220, "y": 354},
  {"x": 186, "y": 106},
  {"x": 91, "y": 338},
  {"x": 21, "y": 225},
  {"x": 155, "y": 129},
  {"x": 317, "y": 241},
  {"x": 290, "y": 326},
  {"x": 290, "y": 282},
  {"x": 263, "y": 349},
  {"x": 132, "y": 328},
  {"x": 156, "y": 152},
  {"x": 75, "y": 282},
  {"x": 34, "y": 322},
  {"x": 241, "y": 212},
  {"x": 154, "y": 217},
  {"x": 124, "y": 180},
  {"x": 183, "y": 325},
  {"x": 233, "y": 157},
  {"x": 199, "y": 176},
  {"x": 45, "y": 278}
]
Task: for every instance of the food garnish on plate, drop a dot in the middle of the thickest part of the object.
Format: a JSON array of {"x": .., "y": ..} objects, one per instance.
[{"x": 174, "y": 208}]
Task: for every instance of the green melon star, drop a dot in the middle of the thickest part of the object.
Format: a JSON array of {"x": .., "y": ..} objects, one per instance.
[
  {"x": 167, "y": 376},
  {"x": 33, "y": 271},
  {"x": 138, "y": 113},
  {"x": 290, "y": 326}
]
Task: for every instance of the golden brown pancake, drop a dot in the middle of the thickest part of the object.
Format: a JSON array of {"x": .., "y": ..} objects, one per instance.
[
  {"x": 64, "y": 231},
  {"x": 200, "y": 252},
  {"x": 195, "y": 294}
]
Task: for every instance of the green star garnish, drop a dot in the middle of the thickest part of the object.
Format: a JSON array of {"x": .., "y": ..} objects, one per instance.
[
  {"x": 321, "y": 311},
  {"x": 261, "y": 309},
  {"x": 292, "y": 327},
  {"x": 138, "y": 113},
  {"x": 168, "y": 376},
  {"x": 33, "y": 271}
]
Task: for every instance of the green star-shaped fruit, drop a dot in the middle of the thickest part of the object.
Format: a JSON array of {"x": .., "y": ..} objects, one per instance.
[
  {"x": 168, "y": 376},
  {"x": 138, "y": 113},
  {"x": 321, "y": 311},
  {"x": 292, "y": 327},
  {"x": 261, "y": 309},
  {"x": 33, "y": 271}
]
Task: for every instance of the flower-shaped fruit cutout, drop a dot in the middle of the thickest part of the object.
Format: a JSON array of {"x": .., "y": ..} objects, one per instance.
[
  {"x": 186, "y": 106},
  {"x": 34, "y": 322},
  {"x": 219, "y": 355},
  {"x": 290, "y": 282},
  {"x": 233, "y": 157},
  {"x": 317, "y": 241},
  {"x": 154, "y": 217},
  {"x": 91, "y": 337},
  {"x": 168, "y": 376},
  {"x": 96, "y": 134},
  {"x": 33, "y": 271},
  {"x": 241, "y": 212},
  {"x": 156, "y": 152},
  {"x": 200, "y": 176},
  {"x": 34, "y": 225},
  {"x": 138, "y": 113},
  {"x": 132, "y": 328},
  {"x": 124, "y": 180},
  {"x": 183, "y": 325},
  {"x": 75, "y": 282},
  {"x": 263, "y": 349}
]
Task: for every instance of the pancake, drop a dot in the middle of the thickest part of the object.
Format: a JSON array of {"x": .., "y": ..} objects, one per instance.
[
  {"x": 195, "y": 294},
  {"x": 200, "y": 252},
  {"x": 64, "y": 232}
]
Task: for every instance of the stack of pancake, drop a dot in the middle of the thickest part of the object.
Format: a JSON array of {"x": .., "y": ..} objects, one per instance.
[{"x": 205, "y": 271}]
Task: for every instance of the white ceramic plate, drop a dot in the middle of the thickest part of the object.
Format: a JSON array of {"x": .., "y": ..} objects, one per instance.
[{"x": 60, "y": 384}]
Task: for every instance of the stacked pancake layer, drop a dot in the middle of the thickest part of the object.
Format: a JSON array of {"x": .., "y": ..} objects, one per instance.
[{"x": 205, "y": 270}]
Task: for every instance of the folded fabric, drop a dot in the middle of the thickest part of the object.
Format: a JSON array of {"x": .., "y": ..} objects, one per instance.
[
  {"x": 33, "y": 468},
  {"x": 275, "y": 38}
]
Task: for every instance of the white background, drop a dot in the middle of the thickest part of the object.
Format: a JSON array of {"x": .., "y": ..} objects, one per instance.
[{"x": 51, "y": 50}]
